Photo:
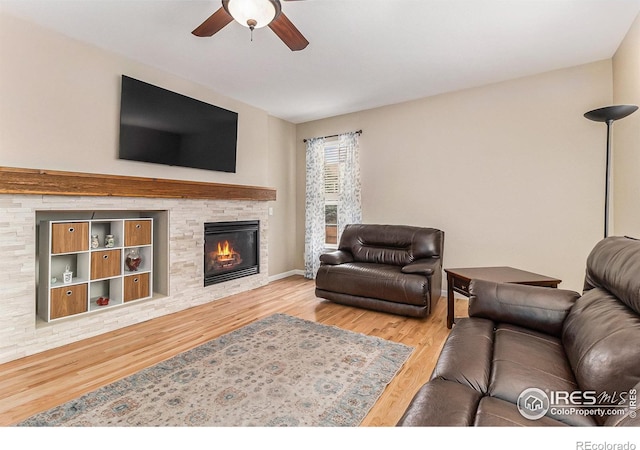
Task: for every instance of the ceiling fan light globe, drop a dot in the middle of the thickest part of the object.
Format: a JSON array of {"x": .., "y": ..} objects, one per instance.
[{"x": 258, "y": 12}]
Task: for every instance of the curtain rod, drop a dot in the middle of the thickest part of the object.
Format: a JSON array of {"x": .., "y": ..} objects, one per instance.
[{"x": 333, "y": 135}]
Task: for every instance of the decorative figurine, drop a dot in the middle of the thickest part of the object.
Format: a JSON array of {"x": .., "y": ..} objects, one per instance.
[{"x": 67, "y": 275}]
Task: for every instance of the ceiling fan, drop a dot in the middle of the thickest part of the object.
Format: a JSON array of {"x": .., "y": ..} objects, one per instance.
[{"x": 254, "y": 14}]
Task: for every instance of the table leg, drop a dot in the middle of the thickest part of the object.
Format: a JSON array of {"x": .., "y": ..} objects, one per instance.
[{"x": 450, "y": 300}]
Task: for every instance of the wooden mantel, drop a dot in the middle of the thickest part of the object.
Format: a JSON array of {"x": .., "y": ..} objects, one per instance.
[{"x": 52, "y": 182}]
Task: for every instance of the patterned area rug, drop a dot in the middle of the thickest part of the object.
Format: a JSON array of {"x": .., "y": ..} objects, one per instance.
[{"x": 278, "y": 371}]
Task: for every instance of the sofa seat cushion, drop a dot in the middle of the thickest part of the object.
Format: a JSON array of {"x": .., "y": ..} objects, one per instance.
[
  {"x": 522, "y": 359},
  {"x": 493, "y": 412},
  {"x": 497, "y": 362},
  {"x": 379, "y": 281}
]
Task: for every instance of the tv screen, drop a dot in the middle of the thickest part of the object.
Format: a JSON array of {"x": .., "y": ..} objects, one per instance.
[{"x": 163, "y": 127}]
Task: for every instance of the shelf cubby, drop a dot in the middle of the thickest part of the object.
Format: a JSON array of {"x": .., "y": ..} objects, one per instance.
[
  {"x": 102, "y": 228},
  {"x": 110, "y": 289}
]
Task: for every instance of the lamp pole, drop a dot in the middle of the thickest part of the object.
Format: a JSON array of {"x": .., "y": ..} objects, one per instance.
[{"x": 608, "y": 115}]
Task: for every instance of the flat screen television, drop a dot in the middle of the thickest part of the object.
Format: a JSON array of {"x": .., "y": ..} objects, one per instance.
[{"x": 164, "y": 127}]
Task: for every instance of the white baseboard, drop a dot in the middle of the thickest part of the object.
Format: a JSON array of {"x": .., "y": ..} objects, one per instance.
[{"x": 290, "y": 273}]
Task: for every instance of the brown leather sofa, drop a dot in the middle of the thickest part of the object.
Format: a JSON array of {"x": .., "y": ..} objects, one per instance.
[
  {"x": 523, "y": 348},
  {"x": 390, "y": 268}
]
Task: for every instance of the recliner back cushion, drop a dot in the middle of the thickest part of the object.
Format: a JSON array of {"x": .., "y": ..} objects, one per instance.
[
  {"x": 601, "y": 337},
  {"x": 614, "y": 265},
  {"x": 391, "y": 244},
  {"x": 601, "y": 334}
]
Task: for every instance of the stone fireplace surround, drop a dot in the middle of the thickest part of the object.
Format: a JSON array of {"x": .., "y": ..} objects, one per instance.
[{"x": 23, "y": 334}]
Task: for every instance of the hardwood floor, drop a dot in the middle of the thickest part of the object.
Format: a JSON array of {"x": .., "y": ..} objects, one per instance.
[{"x": 42, "y": 381}]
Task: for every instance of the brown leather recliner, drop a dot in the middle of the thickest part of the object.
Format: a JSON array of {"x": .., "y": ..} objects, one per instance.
[
  {"x": 537, "y": 356},
  {"x": 389, "y": 268}
]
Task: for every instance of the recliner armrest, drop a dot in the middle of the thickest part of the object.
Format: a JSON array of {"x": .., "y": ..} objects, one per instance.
[
  {"x": 425, "y": 266},
  {"x": 336, "y": 257},
  {"x": 538, "y": 308}
]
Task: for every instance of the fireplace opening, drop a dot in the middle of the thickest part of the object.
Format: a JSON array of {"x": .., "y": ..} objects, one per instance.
[{"x": 231, "y": 250}]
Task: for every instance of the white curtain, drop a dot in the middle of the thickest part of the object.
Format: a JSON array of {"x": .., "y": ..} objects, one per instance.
[
  {"x": 349, "y": 203},
  {"x": 314, "y": 243}
]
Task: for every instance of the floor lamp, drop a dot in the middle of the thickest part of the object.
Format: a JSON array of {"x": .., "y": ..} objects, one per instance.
[{"x": 608, "y": 114}]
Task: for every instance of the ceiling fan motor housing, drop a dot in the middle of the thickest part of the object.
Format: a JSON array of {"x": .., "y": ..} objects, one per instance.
[{"x": 253, "y": 13}]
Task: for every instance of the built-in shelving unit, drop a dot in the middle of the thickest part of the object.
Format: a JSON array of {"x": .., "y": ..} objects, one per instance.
[{"x": 100, "y": 268}]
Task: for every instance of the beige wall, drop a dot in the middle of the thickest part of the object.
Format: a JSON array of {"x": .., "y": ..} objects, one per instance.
[
  {"x": 60, "y": 110},
  {"x": 282, "y": 176},
  {"x": 626, "y": 136},
  {"x": 61, "y": 104},
  {"x": 512, "y": 172}
]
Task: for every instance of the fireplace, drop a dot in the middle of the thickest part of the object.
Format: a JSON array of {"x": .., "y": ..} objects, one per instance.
[{"x": 231, "y": 250}]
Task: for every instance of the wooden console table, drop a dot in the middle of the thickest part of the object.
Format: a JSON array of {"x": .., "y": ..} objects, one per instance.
[{"x": 458, "y": 280}]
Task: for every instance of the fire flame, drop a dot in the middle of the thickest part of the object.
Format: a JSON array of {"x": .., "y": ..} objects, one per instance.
[
  {"x": 224, "y": 249},
  {"x": 225, "y": 252},
  {"x": 224, "y": 258}
]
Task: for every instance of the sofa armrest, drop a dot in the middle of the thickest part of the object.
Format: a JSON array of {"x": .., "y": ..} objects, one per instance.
[
  {"x": 425, "y": 266},
  {"x": 336, "y": 257},
  {"x": 538, "y": 308}
]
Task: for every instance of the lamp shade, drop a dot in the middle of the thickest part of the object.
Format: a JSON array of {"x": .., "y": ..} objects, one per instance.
[
  {"x": 252, "y": 13},
  {"x": 610, "y": 113}
]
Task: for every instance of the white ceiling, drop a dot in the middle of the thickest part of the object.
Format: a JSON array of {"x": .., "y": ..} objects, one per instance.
[{"x": 362, "y": 53}]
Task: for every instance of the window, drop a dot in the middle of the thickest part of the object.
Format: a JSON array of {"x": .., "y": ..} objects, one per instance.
[{"x": 332, "y": 157}]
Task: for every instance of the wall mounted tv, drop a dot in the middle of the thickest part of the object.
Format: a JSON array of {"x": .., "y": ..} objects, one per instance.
[{"x": 163, "y": 127}]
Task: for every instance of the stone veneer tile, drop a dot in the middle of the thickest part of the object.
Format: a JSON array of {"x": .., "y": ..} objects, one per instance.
[{"x": 22, "y": 333}]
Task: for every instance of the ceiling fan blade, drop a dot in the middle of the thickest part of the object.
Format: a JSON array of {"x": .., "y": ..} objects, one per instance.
[
  {"x": 289, "y": 34},
  {"x": 216, "y": 22}
]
